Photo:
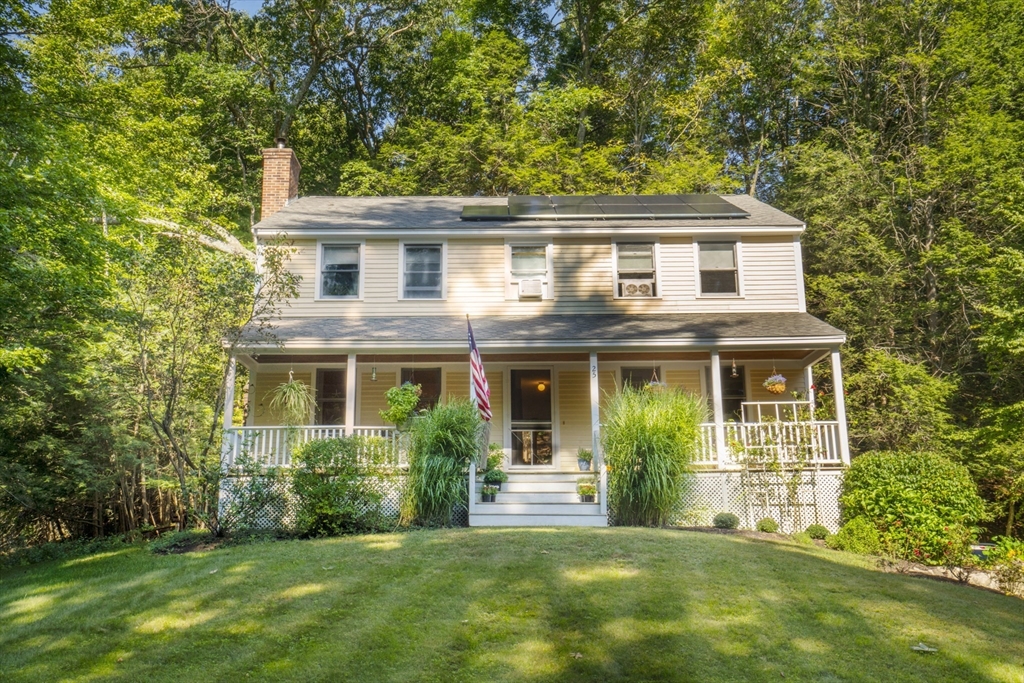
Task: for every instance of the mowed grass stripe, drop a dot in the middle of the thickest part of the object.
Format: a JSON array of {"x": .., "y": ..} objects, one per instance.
[{"x": 502, "y": 605}]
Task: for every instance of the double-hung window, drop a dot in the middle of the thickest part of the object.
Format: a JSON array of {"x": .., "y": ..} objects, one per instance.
[
  {"x": 423, "y": 271},
  {"x": 718, "y": 270},
  {"x": 529, "y": 273},
  {"x": 339, "y": 271},
  {"x": 636, "y": 275}
]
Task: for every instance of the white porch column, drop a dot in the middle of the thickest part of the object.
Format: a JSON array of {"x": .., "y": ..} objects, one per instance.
[
  {"x": 808, "y": 383},
  {"x": 595, "y": 411},
  {"x": 229, "y": 394},
  {"x": 837, "y": 381},
  {"x": 716, "y": 399},
  {"x": 350, "y": 395},
  {"x": 227, "y": 440}
]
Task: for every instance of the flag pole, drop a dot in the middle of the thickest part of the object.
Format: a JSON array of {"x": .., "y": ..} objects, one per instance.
[{"x": 485, "y": 431}]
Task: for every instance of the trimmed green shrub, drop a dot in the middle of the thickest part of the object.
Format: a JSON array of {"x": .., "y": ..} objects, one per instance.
[
  {"x": 817, "y": 532},
  {"x": 336, "y": 485},
  {"x": 650, "y": 439},
  {"x": 858, "y": 535},
  {"x": 803, "y": 538},
  {"x": 768, "y": 526},
  {"x": 914, "y": 498},
  {"x": 495, "y": 477},
  {"x": 726, "y": 520},
  {"x": 444, "y": 441}
]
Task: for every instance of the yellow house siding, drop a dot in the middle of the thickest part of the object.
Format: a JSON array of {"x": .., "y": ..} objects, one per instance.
[
  {"x": 794, "y": 382},
  {"x": 573, "y": 413},
  {"x": 457, "y": 384},
  {"x": 371, "y": 397},
  {"x": 687, "y": 379},
  {"x": 582, "y": 275}
]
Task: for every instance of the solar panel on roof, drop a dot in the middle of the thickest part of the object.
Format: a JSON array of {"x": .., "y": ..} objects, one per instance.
[
  {"x": 607, "y": 207},
  {"x": 674, "y": 211},
  {"x": 484, "y": 213}
]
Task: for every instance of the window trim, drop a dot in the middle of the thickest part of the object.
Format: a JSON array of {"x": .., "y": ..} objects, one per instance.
[
  {"x": 402, "y": 244},
  {"x": 318, "y": 287},
  {"x": 512, "y": 285},
  {"x": 738, "y": 255},
  {"x": 657, "y": 268}
]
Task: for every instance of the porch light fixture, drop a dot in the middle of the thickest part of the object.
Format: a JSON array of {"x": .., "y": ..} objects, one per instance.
[
  {"x": 541, "y": 387},
  {"x": 735, "y": 374}
]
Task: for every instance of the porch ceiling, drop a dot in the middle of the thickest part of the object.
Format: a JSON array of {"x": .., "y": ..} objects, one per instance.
[{"x": 438, "y": 334}]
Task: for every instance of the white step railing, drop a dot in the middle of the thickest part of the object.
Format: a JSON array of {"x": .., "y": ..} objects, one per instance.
[{"x": 272, "y": 446}]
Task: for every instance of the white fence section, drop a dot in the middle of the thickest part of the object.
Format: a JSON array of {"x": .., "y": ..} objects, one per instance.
[{"x": 272, "y": 446}]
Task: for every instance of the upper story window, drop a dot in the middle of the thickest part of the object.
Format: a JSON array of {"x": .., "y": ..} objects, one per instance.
[
  {"x": 719, "y": 273},
  {"x": 529, "y": 271},
  {"x": 339, "y": 271},
  {"x": 636, "y": 270},
  {"x": 423, "y": 271}
]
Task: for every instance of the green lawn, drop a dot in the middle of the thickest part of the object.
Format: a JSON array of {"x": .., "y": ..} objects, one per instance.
[{"x": 504, "y": 605}]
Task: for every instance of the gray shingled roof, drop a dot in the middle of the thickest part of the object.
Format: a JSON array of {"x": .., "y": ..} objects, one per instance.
[
  {"x": 555, "y": 330},
  {"x": 442, "y": 213}
]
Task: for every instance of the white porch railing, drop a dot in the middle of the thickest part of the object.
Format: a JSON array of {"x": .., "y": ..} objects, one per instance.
[
  {"x": 814, "y": 443},
  {"x": 272, "y": 446}
]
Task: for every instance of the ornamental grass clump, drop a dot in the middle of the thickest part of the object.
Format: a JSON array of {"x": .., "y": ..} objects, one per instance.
[
  {"x": 444, "y": 441},
  {"x": 650, "y": 439}
]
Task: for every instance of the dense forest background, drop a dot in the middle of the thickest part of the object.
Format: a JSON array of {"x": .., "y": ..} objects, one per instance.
[{"x": 130, "y": 137}]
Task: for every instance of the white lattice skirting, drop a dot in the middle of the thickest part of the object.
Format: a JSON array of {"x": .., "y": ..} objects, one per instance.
[
  {"x": 267, "y": 503},
  {"x": 794, "y": 501}
]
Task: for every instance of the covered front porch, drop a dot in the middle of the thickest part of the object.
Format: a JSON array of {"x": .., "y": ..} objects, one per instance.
[
  {"x": 548, "y": 406},
  {"x": 550, "y": 377}
]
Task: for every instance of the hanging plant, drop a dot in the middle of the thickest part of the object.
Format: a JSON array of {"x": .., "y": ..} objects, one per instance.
[
  {"x": 293, "y": 400},
  {"x": 775, "y": 384}
]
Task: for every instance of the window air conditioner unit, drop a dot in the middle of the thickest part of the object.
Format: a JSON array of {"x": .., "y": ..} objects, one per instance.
[
  {"x": 531, "y": 289},
  {"x": 636, "y": 287}
]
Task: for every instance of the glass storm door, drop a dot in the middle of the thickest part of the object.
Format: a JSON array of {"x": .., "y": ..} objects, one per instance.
[{"x": 531, "y": 417}]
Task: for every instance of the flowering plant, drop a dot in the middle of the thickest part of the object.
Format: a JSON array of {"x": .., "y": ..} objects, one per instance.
[{"x": 774, "y": 381}]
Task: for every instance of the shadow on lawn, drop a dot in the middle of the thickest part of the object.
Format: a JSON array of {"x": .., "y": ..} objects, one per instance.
[{"x": 500, "y": 605}]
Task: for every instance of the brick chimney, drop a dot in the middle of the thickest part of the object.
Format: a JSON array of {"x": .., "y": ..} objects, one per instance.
[{"x": 280, "y": 179}]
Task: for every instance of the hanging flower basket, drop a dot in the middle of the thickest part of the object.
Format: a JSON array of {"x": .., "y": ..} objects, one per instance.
[{"x": 775, "y": 384}]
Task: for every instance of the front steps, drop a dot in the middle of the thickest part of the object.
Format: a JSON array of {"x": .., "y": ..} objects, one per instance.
[{"x": 537, "y": 499}]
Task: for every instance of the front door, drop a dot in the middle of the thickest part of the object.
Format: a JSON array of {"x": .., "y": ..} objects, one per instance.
[{"x": 532, "y": 442}]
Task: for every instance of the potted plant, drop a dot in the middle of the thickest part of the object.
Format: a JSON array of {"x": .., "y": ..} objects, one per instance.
[
  {"x": 587, "y": 488},
  {"x": 584, "y": 457},
  {"x": 775, "y": 384},
  {"x": 488, "y": 494},
  {"x": 495, "y": 478}
]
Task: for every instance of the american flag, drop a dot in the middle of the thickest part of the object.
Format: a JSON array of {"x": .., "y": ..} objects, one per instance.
[{"x": 479, "y": 391}]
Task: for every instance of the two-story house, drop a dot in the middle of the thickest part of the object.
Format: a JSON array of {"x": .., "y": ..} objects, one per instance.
[{"x": 570, "y": 298}]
